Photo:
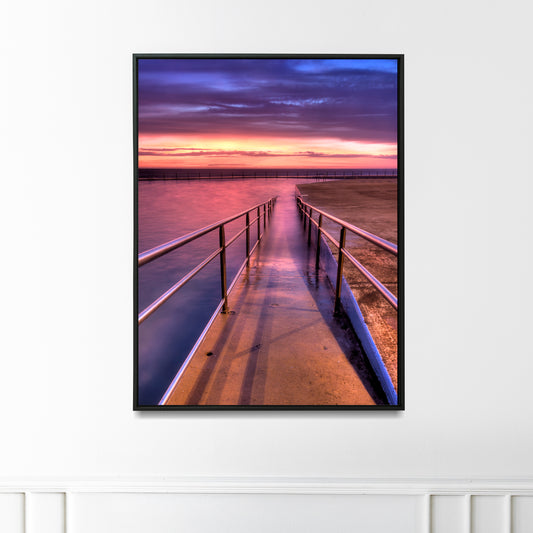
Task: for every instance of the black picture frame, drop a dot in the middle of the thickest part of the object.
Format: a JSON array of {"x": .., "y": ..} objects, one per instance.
[{"x": 400, "y": 405}]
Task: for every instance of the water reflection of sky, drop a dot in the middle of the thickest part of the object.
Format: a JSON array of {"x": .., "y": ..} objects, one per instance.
[{"x": 169, "y": 209}]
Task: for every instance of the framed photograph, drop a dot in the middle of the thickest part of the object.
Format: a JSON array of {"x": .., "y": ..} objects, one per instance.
[{"x": 268, "y": 233}]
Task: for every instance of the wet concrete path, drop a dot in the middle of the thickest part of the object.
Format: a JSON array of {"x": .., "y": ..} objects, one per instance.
[{"x": 280, "y": 344}]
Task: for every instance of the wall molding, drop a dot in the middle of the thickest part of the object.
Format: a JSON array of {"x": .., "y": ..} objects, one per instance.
[
  {"x": 272, "y": 485},
  {"x": 423, "y": 505}
]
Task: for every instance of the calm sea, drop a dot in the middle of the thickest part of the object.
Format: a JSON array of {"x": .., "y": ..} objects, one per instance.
[{"x": 170, "y": 209}]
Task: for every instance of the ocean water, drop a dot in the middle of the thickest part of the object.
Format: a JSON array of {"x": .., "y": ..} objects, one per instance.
[{"x": 171, "y": 209}]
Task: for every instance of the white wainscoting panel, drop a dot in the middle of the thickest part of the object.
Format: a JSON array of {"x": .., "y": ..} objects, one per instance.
[
  {"x": 522, "y": 514},
  {"x": 239, "y": 505},
  {"x": 489, "y": 514},
  {"x": 12, "y": 513},
  {"x": 45, "y": 512},
  {"x": 449, "y": 514},
  {"x": 228, "y": 513}
]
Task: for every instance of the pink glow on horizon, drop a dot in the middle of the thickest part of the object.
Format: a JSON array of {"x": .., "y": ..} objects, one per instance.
[{"x": 221, "y": 151}]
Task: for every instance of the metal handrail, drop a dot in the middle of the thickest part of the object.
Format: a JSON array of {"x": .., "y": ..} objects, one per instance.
[
  {"x": 150, "y": 255},
  {"x": 382, "y": 243},
  {"x": 306, "y": 210}
]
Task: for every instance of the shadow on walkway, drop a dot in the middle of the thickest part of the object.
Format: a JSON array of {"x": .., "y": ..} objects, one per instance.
[{"x": 280, "y": 345}]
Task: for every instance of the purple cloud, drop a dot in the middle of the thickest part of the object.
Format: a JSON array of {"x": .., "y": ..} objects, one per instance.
[{"x": 343, "y": 99}]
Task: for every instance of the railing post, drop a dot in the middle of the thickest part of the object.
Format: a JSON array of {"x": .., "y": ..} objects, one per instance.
[
  {"x": 310, "y": 224},
  {"x": 342, "y": 242},
  {"x": 304, "y": 213},
  {"x": 223, "y": 285},
  {"x": 258, "y": 223},
  {"x": 318, "y": 237},
  {"x": 264, "y": 216},
  {"x": 248, "y": 238}
]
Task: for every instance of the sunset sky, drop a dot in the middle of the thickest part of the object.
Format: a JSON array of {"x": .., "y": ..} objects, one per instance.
[{"x": 267, "y": 113}]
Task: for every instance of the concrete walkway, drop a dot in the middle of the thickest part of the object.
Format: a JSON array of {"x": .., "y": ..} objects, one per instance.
[{"x": 280, "y": 344}]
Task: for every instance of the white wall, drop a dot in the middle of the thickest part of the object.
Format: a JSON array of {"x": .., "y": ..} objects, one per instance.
[{"x": 66, "y": 231}]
